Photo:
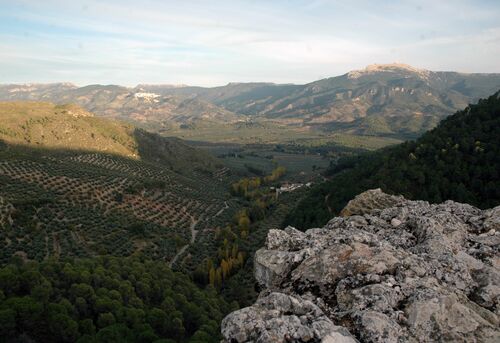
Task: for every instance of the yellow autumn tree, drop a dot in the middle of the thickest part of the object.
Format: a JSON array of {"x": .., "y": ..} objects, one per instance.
[
  {"x": 225, "y": 269},
  {"x": 211, "y": 276}
]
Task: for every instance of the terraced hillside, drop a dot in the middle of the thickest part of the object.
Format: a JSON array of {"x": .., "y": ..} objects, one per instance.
[
  {"x": 135, "y": 193},
  {"x": 84, "y": 204}
]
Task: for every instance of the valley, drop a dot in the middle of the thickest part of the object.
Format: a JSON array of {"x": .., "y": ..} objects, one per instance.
[
  {"x": 85, "y": 193},
  {"x": 249, "y": 171},
  {"x": 74, "y": 185}
]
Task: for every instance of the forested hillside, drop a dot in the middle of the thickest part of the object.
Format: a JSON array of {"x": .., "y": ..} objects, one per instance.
[
  {"x": 458, "y": 160},
  {"x": 105, "y": 300}
]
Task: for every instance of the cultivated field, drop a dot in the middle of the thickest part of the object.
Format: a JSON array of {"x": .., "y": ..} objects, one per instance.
[{"x": 84, "y": 204}]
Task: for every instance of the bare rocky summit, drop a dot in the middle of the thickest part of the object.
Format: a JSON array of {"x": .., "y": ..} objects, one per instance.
[{"x": 393, "y": 271}]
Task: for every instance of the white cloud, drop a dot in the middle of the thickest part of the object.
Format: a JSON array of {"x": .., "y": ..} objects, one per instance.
[{"x": 201, "y": 42}]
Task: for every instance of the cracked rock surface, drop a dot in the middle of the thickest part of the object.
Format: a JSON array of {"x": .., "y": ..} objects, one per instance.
[{"x": 391, "y": 271}]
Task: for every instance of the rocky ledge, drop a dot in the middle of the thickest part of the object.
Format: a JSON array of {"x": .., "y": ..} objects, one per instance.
[{"x": 394, "y": 270}]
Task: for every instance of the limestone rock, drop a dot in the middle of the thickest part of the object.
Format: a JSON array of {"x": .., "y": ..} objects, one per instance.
[
  {"x": 393, "y": 271},
  {"x": 370, "y": 200},
  {"x": 271, "y": 266},
  {"x": 289, "y": 239},
  {"x": 492, "y": 221},
  {"x": 277, "y": 318},
  {"x": 378, "y": 327},
  {"x": 452, "y": 318}
]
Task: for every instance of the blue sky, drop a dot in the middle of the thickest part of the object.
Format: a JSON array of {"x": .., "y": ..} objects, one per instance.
[{"x": 215, "y": 42}]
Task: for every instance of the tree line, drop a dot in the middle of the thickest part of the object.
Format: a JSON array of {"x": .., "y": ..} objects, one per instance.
[{"x": 231, "y": 255}]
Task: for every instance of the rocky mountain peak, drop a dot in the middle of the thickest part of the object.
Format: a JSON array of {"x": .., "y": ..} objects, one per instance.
[
  {"x": 393, "y": 271},
  {"x": 391, "y": 67}
]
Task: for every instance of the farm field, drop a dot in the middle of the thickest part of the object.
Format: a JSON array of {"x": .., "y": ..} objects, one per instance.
[
  {"x": 302, "y": 163},
  {"x": 299, "y": 166},
  {"x": 268, "y": 132},
  {"x": 88, "y": 204}
]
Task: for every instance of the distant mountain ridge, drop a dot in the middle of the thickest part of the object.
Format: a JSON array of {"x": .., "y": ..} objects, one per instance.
[
  {"x": 382, "y": 99},
  {"x": 131, "y": 104}
]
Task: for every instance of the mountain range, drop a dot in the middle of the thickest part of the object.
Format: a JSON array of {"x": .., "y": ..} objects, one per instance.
[{"x": 382, "y": 99}]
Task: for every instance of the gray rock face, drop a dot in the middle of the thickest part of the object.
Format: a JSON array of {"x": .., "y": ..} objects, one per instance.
[
  {"x": 278, "y": 317},
  {"x": 368, "y": 201},
  {"x": 492, "y": 219},
  {"x": 397, "y": 271}
]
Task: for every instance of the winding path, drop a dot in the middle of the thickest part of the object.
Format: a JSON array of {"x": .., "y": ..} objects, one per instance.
[
  {"x": 194, "y": 232},
  {"x": 222, "y": 209}
]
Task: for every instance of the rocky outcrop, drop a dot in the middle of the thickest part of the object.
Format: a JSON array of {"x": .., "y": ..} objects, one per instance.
[
  {"x": 370, "y": 200},
  {"x": 392, "y": 271},
  {"x": 279, "y": 317}
]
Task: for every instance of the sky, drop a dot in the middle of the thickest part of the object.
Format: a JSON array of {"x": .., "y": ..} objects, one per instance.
[{"x": 210, "y": 43}]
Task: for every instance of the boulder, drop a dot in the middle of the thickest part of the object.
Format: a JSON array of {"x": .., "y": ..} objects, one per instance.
[
  {"x": 369, "y": 201},
  {"x": 272, "y": 266}
]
